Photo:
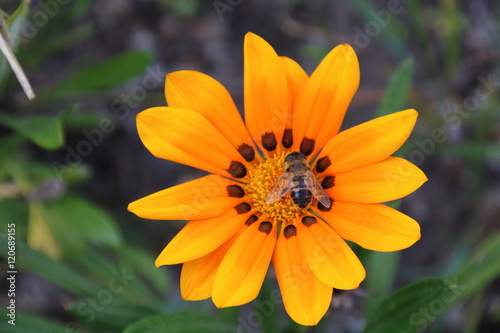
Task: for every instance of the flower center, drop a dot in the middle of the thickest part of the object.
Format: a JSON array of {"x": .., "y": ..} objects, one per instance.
[{"x": 261, "y": 180}]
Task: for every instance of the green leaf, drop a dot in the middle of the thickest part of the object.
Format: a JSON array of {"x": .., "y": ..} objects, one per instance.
[
  {"x": 122, "y": 279},
  {"x": 15, "y": 23},
  {"x": 396, "y": 92},
  {"x": 184, "y": 8},
  {"x": 58, "y": 273},
  {"x": 15, "y": 20},
  {"x": 386, "y": 23},
  {"x": 181, "y": 322},
  {"x": 75, "y": 222},
  {"x": 473, "y": 150},
  {"x": 317, "y": 52},
  {"x": 381, "y": 270},
  {"x": 34, "y": 179},
  {"x": 482, "y": 268},
  {"x": 62, "y": 32},
  {"x": 270, "y": 315},
  {"x": 30, "y": 324},
  {"x": 44, "y": 131},
  {"x": 9, "y": 146},
  {"x": 144, "y": 263},
  {"x": 414, "y": 307},
  {"x": 107, "y": 313},
  {"x": 109, "y": 73},
  {"x": 14, "y": 211},
  {"x": 40, "y": 235}
]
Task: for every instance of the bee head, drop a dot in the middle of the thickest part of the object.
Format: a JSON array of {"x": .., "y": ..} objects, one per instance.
[{"x": 294, "y": 155}]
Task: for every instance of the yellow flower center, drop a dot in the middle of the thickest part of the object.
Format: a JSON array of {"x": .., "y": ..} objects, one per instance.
[{"x": 260, "y": 180}]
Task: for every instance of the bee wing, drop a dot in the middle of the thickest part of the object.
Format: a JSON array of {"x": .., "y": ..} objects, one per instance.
[
  {"x": 281, "y": 187},
  {"x": 316, "y": 189}
]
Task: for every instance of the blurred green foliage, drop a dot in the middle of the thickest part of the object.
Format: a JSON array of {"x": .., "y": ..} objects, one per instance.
[
  {"x": 111, "y": 284},
  {"x": 61, "y": 236}
]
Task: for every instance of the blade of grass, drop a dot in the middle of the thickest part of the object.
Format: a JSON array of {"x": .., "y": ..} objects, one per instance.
[
  {"x": 388, "y": 31},
  {"x": 397, "y": 90}
]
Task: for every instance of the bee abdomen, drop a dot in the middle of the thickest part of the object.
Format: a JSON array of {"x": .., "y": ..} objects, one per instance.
[{"x": 302, "y": 198}]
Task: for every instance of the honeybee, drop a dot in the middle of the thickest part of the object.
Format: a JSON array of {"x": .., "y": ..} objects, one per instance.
[{"x": 300, "y": 181}]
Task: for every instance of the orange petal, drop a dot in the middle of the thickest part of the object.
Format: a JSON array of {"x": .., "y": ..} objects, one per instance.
[
  {"x": 296, "y": 77},
  {"x": 202, "y": 198},
  {"x": 241, "y": 273},
  {"x": 199, "y": 92},
  {"x": 266, "y": 93},
  {"x": 390, "y": 179},
  {"x": 372, "y": 226},
  {"x": 368, "y": 143},
  {"x": 305, "y": 297},
  {"x": 328, "y": 256},
  {"x": 186, "y": 137},
  {"x": 198, "y": 276},
  {"x": 200, "y": 237},
  {"x": 323, "y": 101}
]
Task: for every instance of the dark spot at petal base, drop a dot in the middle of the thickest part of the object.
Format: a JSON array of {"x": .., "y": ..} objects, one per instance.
[
  {"x": 287, "y": 140},
  {"x": 290, "y": 231},
  {"x": 247, "y": 152},
  {"x": 266, "y": 227},
  {"x": 269, "y": 141},
  {"x": 309, "y": 220},
  {"x": 237, "y": 169},
  {"x": 323, "y": 208},
  {"x": 251, "y": 220},
  {"x": 323, "y": 164},
  {"x": 235, "y": 191},
  {"x": 243, "y": 208},
  {"x": 328, "y": 182},
  {"x": 307, "y": 146}
]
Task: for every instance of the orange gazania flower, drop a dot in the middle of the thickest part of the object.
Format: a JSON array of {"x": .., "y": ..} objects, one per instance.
[{"x": 233, "y": 234}]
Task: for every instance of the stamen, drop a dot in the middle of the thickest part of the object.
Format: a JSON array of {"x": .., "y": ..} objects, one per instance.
[{"x": 260, "y": 180}]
